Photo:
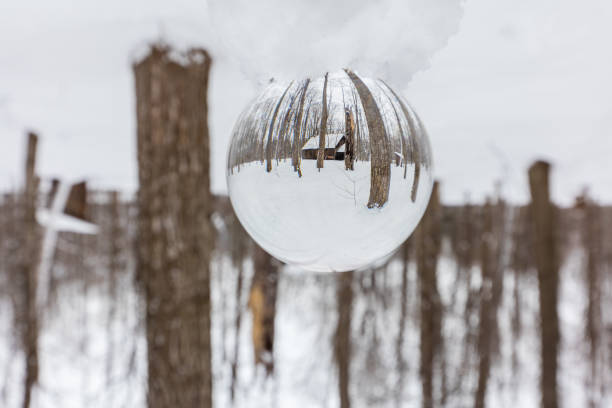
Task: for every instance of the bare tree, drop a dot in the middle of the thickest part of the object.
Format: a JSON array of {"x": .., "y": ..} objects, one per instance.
[
  {"x": 427, "y": 238},
  {"x": 269, "y": 144},
  {"x": 349, "y": 135},
  {"x": 592, "y": 241},
  {"x": 323, "y": 128},
  {"x": 27, "y": 276},
  {"x": 380, "y": 149},
  {"x": 487, "y": 309},
  {"x": 414, "y": 144},
  {"x": 115, "y": 266},
  {"x": 175, "y": 235},
  {"x": 298, "y": 139},
  {"x": 239, "y": 250},
  {"x": 404, "y": 252},
  {"x": 546, "y": 257},
  {"x": 342, "y": 338},
  {"x": 262, "y": 302}
]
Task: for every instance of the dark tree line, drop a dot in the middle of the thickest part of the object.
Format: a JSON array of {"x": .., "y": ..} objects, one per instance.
[{"x": 410, "y": 291}]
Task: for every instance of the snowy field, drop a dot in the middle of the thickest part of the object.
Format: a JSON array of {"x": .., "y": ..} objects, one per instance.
[
  {"x": 94, "y": 357},
  {"x": 321, "y": 220}
]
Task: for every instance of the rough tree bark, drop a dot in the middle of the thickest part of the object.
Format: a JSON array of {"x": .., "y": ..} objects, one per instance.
[
  {"x": 175, "y": 235},
  {"x": 262, "y": 302},
  {"x": 28, "y": 270},
  {"x": 380, "y": 149},
  {"x": 427, "y": 238},
  {"x": 323, "y": 129},
  {"x": 342, "y": 338},
  {"x": 545, "y": 239}
]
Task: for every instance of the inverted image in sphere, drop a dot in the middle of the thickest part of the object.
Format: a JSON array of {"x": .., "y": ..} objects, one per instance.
[{"x": 330, "y": 174}]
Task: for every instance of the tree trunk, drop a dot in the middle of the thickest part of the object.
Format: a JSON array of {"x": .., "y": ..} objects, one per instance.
[
  {"x": 342, "y": 338},
  {"x": 592, "y": 241},
  {"x": 175, "y": 235},
  {"x": 115, "y": 266},
  {"x": 401, "y": 361},
  {"x": 269, "y": 144},
  {"x": 486, "y": 306},
  {"x": 262, "y": 302},
  {"x": 237, "y": 325},
  {"x": 544, "y": 232},
  {"x": 296, "y": 157},
  {"x": 323, "y": 129},
  {"x": 427, "y": 238},
  {"x": 380, "y": 149},
  {"x": 349, "y": 134},
  {"x": 414, "y": 144},
  {"x": 28, "y": 272}
]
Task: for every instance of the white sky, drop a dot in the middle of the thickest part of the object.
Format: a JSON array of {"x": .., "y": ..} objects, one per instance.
[{"x": 520, "y": 80}]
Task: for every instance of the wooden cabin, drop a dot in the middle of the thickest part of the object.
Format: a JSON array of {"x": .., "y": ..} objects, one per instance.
[{"x": 334, "y": 147}]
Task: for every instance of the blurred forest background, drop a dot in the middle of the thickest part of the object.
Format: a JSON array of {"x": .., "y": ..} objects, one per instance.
[{"x": 162, "y": 300}]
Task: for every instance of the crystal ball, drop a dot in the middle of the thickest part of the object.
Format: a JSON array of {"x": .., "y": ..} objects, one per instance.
[{"x": 330, "y": 174}]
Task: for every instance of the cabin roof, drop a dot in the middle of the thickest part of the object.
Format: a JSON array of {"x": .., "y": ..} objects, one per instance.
[{"x": 331, "y": 140}]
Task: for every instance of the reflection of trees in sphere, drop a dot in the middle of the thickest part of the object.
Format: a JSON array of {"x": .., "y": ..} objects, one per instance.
[{"x": 331, "y": 173}]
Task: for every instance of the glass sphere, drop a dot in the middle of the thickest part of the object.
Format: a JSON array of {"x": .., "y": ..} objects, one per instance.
[{"x": 331, "y": 173}]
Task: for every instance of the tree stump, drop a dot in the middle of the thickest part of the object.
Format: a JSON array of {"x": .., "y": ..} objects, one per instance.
[
  {"x": 544, "y": 226},
  {"x": 175, "y": 235}
]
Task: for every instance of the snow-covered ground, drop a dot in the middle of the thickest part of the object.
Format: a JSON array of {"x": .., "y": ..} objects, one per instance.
[
  {"x": 321, "y": 220},
  {"x": 88, "y": 360}
]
